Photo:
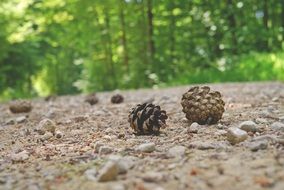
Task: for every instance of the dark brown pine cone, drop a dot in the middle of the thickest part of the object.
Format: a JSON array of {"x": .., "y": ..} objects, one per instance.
[
  {"x": 147, "y": 119},
  {"x": 20, "y": 106},
  {"x": 117, "y": 99},
  {"x": 92, "y": 99},
  {"x": 202, "y": 106}
]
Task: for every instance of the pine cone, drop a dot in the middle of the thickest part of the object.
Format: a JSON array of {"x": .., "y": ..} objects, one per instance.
[
  {"x": 91, "y": 99},
  {"x": 147, "y": 119},
  {"x": 117, "y": 99},
  {"x": 202, "y": 106},
  {"x": 20, "y": 106}
]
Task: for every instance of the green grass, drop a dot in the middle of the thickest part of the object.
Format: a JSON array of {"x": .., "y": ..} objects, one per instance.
[{"x": 251, "y": 67}]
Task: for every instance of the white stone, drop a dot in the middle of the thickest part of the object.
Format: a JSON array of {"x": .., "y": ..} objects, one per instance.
[
  {"x": 277, "y": 126},
  {"x": 20, "y": 157},
  {"x": 123, "y": 163},
  {"x": 194, "y": 127},
  {"x": 261, "y": 120},
  {"x": 236, "y": 135},
  {"x": 248, "y": 126},
  {"x": 281, "y": 119},
  {"x": 153, "y": 176},
  {"x": 176, "y": 151},
  {"x": 220, "y": 132},
  {"x": 109, "y": 172},
  {"x": 46, "y": 136},
  {"x": 91, "y": 174},
  {"x": 146, "y": 147},
  {"x": 118, "y": 186},
  {"x": 109, "y": 130},
  {"x": 105, "y": 150},
  {"x": 202, "y": 145},
  {"x": 97, "y": 145},
  {"x": 21, "y": 119},
  {"x": 257, "y": 145},
  {"x": 220, "y": 126}
]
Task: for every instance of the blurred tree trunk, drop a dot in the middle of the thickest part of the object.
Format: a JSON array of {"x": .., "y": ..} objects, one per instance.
[
  {"x": 143, "y": 26},
  {"x": 105, "y": 38},
  {"x": 282, "y": 18},
  {"x": 151, "y": 45},
  {"x": 123, "y": 35},
  {"x": 265, "y": 24},
  {"x": 232, "y": 26},
  {"x": 214, "y": 37},
  {"x": 190, "y": 45},
  {"x": 109, "y": 47},
  {"x": 172, "y": 32}
]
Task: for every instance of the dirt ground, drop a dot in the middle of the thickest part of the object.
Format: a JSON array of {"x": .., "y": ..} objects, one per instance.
[{"x": 202, "y": 157}]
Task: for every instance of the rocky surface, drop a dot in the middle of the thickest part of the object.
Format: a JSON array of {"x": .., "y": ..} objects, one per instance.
[{"x": 92, "y": 146}]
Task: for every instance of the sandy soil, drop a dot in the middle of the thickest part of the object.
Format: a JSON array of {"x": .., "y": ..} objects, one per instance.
[{"x": 203, "y": 157}]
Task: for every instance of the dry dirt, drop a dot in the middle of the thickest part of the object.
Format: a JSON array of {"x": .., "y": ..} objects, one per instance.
[{"x": 32, "y": 161}]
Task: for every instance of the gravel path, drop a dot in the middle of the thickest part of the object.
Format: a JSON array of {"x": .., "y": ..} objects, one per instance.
[{"x": 93, "y": 147}]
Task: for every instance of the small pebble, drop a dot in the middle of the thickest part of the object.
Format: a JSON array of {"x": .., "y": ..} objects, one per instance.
[
  {"x": 194, "y": 127},
  {"x": 261, "y": 120},
  {"x": 91, "y": 174},
  {"x": 50, "y": 114},
  {"x": 258, "y": 145},
  {"x": 46, "y": 125},
  {"x": 269, "y": 138},
  {"x": 58, "y": 134},
  {"x": 264, "y": 113},
  {"x": 105, "y": 150},
  {"x": 146, "y": 147},
  {"x": 21, "y": 119},
  {"x": 109, "y": 137},
  {"x": 248, "y": 126},
  {"x": 109, "y": 172},
  {"x": 20, "y": 157},
  {"x": 176, "y": 151},
  {"x": 10, "y": 121},
  {"x": 79, "y": 118},
  {"x": 270, "y": 108},
  {"x": 275, "y": 99},
  {"x": 236, "y": 135},
  {"x": 220, "y": 126},
  {"x": 281, "y": 119},
  {"x": 220, "y": 132},
  {"x": 108, "y": 130},
  {"x": 46, "y": 136},
  {"x": 117, "y": 187},
  {"x": 201, "y": 145},
  {"x": 123, "y": 163},
  {"x": 121, "y": 135},
  {"x": 27, "y": 132},
  {"x": 184, "y": 120},
  {"x": 153, "y": 177},
  {"x": 278, "y": 126},
  {"x": 97, "y": 146}
]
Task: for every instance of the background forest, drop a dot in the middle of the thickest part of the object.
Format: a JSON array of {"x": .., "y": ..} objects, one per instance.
[{"x": 72, "y": 46}]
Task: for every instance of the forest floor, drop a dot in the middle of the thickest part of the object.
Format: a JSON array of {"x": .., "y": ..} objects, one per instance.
[{"x": 93, "y": 142}]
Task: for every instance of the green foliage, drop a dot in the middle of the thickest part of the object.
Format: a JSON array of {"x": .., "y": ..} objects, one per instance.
[
  {"x": 251, "y": 67},
  {"x": 72, "y": 46}
]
